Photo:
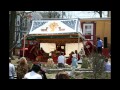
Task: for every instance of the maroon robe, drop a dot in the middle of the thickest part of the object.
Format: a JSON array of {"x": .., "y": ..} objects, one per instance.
[
  {"x": 88, "y": 50},
  {"x": 69, "y": 60},
  {"x": 31, "y": 56}
]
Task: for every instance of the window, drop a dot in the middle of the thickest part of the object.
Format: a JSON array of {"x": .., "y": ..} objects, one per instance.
[
  {"x": 18, "y": 22},
  {"x": 88, "y": 27},
  {"x": 88, "y": 30}
]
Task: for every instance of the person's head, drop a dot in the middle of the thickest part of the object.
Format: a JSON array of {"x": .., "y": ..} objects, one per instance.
[
  {"x": 62, "y": 75},
  {"x": 41, "y": 48},
  {"x": 98, "y": 38},
  {"x": 23, "y": 61},
  {"x": 36, "y": 68},
  {"x": 106, "y": 60},
  {"x": 9, "y": 60},
  {"x": 76, "y": 51},
  {"x": 62, "y": 53},
  {"x": 72, "y": 52}
]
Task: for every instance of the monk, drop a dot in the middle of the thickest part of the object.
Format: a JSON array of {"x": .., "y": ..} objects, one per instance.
[
  {"x": 33, "y": 52},
  {"x": 77, "y": 55},
  {"x": 42, "y": 51},
  {"x": 38, "y": 53},
  {"x": 88, "y": 47},
  {"x": 31, "y": 56},
  {"x": 69, "y": 60},
  {"x": 54, "y": 56}
]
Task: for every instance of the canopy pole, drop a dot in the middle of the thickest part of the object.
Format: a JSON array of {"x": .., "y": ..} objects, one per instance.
[{"x": 78, "y": 43}]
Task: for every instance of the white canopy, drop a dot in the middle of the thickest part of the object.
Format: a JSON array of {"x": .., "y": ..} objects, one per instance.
[{"x": 55, "y": 26}]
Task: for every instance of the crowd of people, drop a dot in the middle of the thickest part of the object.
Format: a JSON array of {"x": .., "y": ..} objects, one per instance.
[{"x": 23, "y": 71}]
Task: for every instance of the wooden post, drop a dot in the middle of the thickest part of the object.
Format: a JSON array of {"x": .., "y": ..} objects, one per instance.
[{"x": 78, "y": 42}]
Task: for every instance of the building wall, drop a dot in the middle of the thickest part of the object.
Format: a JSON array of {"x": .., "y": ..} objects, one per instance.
[{"x": 103, "y": 28}]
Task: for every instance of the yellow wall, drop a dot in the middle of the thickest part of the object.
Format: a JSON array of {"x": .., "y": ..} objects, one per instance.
[{"x": 103, "y": 28}]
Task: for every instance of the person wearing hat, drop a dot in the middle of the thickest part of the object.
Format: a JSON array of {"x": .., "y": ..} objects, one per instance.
[
  {"x": 74, "y": 61},
  {"x": 12, "y": 72}
]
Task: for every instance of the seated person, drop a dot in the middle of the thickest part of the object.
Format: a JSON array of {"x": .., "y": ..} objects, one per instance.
[
  {"x": 54, "y": 56},
  {"x": 107, "y": 66},
  {"x": 37, "y": 60},
  {"x": 61, "y": 61},
  {"x": 42, "y": 51},
  {"x": 50, "y": 63}
]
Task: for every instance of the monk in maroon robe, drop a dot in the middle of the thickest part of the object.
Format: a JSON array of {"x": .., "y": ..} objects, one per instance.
[
  {"x": 42, "y": 51},
  {"x": 69, "y": 60},
  {"x": 88, "y": 48},
  {"x": 38, "y": 53},
  {"x": 32, "y": 52}
]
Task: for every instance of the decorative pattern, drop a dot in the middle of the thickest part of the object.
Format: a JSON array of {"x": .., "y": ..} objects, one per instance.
[
  {"x": 70, "y": 23},
  {"x": 37, "y": 24},
  {"x": 53, "y": 26}
]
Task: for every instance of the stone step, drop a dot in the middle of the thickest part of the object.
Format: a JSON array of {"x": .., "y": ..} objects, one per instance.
[{"x": 67, "y": 69}]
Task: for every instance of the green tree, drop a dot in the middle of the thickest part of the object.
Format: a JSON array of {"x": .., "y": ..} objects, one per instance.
[{"x": 97, "y": 62}]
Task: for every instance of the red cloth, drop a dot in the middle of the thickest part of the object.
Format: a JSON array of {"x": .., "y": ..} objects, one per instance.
[
  {"x": 105, "y": 52},
  {"x": 31, "y": 55},
  {"x": 69, "y": 60},
  {"x": 54, "y": 57},
  {"x": 77, "y": 55}
]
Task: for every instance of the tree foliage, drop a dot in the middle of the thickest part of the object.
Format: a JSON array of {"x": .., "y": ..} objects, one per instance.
[
  {"x": 52, "y": 14},
  {"x": 12, "y": 29},
  {"x": 97, "y": 62}
]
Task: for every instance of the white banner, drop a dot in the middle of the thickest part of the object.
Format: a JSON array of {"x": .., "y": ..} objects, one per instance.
[{"x": 55, "y": 26}]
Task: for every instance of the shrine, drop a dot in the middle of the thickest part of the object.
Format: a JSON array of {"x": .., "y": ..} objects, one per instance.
[{"x": 57, "y": 35}]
